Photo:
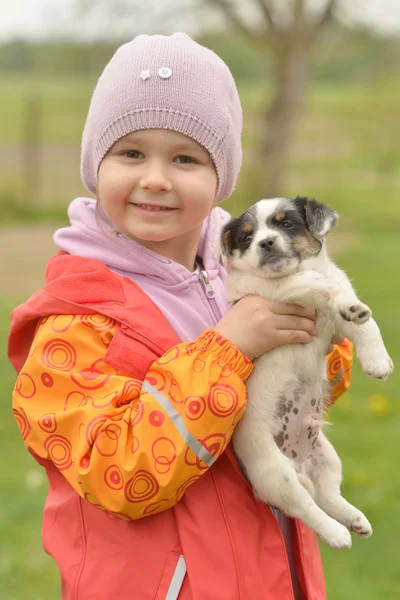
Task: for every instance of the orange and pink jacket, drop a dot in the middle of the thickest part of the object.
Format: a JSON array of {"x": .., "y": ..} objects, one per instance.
[{"x": 129, "y": 400}]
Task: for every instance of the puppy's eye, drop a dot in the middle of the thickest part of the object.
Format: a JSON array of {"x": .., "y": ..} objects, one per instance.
[
  {"x": 247, "y": 238},
  {"x": 287, "y": 224}
]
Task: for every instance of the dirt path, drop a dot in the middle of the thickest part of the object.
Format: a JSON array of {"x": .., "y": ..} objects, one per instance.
[{"x": 24, "y": 251}]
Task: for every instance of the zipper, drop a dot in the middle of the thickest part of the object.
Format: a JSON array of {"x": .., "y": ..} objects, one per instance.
[
  {"x": 207, "y": 285},
  {"x": 209, "y": 291}
]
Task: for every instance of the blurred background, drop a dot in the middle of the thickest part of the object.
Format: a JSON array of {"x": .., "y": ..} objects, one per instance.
[{"x": 320, "y": 86}]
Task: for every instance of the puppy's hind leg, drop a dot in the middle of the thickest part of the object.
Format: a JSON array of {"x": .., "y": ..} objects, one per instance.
[
  {"x": 275, "y": 482},
  {"x": 325, "y": 470}
]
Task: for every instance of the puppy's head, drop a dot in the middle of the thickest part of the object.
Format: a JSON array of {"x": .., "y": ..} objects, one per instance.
[{"x": 274, "y": 236}]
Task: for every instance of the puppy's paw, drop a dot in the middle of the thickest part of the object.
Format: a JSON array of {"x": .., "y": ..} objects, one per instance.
[
  {"x": 336, "y": 536},
  {"x": 377, "y": 365},
  {"x": 360, "y": 525},
  {"x": 357, "y": 313}
]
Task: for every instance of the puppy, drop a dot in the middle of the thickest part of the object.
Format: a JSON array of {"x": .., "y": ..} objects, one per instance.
[{"x": 276, "y": 249}]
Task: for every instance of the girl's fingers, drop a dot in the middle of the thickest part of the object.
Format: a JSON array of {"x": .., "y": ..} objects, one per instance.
[
  {"x": 337, "y": 339},
  {"x": 297, "y": 323},
  {"x": 292, "y": 309},
  {"x": 293, "y": 336}
]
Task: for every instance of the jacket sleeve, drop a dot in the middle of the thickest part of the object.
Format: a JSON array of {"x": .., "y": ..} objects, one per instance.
[
  {"x": 339, "y": 362},
  {"x": 131, "y": 447}
]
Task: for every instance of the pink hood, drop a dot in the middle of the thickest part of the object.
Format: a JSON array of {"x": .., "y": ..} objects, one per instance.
[{"x": 180, "y": 294}]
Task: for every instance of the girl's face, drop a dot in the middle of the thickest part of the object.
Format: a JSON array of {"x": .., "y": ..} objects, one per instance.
[{"x": 158, "y": 186}]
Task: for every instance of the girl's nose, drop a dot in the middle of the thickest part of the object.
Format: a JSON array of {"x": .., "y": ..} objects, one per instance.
[{"x": 155, "y": 178}]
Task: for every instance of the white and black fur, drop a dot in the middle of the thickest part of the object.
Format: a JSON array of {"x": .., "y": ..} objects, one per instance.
[{"x": 276, "y": 249}]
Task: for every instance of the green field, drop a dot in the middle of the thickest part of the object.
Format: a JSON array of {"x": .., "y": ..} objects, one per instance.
[{"x": 346, "y": 153}]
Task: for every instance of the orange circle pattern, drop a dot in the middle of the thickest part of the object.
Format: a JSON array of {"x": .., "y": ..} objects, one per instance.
[
  {"x": 47, "y": 379},
  {"x": 130, "y": 391},
  {"x": 142, "y": 486},
  {"x": 182, "y": 489},
  {"x": 334, "y": 368},
  {"x": 113, "y": 477},
  {"x": 105, "y": 426},
  {"x": 22, "y": 422},
  {"x": 25, "y": 385},
  {"x": 59, "y": 355},
  {"x": 164, "y": 454},
  {"x": 106, "y": 441},
  {"x": 137, "y": 412},
  {"x": 61, "y": 323},
  {"x": 48, "y": 422},
  {"x": 169, "y": 356},
  {"x": 195, "y": 407},
  {"x": 101, "y": 323},
  {"x": 60, "y": 450},
  {"x": 223, "y": 400},
  {"x": 90, "y": 379},
  {"x": 154, "y": 507}
]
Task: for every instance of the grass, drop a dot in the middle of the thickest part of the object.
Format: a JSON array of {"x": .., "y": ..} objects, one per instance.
[
  {"x": 63, "y": 106},
  {"x": 345, "y": 150},
  {"x": 25, "y": 570},
  {"x": 345, "y": 153},
  {"x": 365, "y": 432}
]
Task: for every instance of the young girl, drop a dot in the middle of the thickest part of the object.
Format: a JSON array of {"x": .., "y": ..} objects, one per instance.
[{"x": 132, "y": 367}]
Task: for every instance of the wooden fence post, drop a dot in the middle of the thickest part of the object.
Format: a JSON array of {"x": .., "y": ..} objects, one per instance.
[{"x": 32, "y": 150}]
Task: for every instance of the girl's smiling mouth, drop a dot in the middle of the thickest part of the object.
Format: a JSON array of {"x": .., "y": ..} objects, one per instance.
[{"x": 152, "y": 207}]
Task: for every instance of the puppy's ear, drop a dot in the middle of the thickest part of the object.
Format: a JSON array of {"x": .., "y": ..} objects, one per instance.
[
  {"x": 319, "y": 218},
  {"x": 226, "y": 244}
]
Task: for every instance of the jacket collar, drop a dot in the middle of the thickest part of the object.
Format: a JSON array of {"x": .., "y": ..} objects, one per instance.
[{"x": 90, "y": 237}]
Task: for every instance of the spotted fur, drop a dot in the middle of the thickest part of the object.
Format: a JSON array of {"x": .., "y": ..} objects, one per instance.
[{"x": 276, "y": 249}]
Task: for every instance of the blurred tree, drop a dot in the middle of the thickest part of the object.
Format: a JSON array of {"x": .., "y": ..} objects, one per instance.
[
  {"x": 283, "y": 32},
  {"x": 16, "y": 55},
  {"x": 287, "y": 31}
]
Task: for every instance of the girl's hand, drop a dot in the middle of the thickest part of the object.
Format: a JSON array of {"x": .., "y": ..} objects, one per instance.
[
  {"x": 337, "y": 339},
  {"x": 255, "y": 325}
]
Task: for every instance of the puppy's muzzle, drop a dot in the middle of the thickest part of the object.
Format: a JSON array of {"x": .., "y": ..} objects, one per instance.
[
  {"x": 268, "y": 244},
  {"x": 270, "y": 251}
]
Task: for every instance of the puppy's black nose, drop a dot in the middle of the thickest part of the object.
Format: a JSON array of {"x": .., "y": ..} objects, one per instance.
[{"x": 267, "y": 243}]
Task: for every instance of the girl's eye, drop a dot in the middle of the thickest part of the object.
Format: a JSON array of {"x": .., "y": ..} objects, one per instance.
[
  {"x": 247, "y": 238},
  {"x": 184, "y": 160},
  {"x": 287, "y": 224},
  {"x": 133, "y": 154}
]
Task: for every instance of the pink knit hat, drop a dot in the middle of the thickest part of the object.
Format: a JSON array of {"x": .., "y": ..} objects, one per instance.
[{"x": 167, "y": 82}]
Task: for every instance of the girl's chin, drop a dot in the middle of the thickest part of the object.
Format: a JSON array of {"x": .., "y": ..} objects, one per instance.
[{"x": 146, "y": 237}]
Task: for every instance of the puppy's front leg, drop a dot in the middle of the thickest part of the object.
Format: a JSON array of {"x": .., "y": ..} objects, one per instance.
[
  {"x": 371, "y": 352},
  {"x": 346, "y": 302},
  {"x": 307, "y": 288},
  {"x": 353, "y": 320}
]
